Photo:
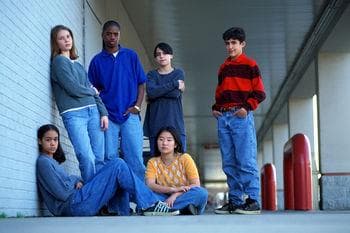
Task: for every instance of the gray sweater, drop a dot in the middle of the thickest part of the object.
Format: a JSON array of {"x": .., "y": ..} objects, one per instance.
[
  {"x": 71, "y": 86},
  {"x": 56, "y": 187}
]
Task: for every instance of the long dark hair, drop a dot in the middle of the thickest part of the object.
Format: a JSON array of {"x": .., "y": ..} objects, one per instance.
[
  {"x": 59, "y": 155},
  {"x": 174, "y": 133},
  {"x": 55, "y": 50}
]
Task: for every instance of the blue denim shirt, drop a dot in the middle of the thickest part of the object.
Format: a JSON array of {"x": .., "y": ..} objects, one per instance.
[{"x": 56, "y": 187}]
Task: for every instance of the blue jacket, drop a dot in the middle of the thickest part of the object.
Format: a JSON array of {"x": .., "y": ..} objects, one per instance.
[{"x": 117, "y": 79}]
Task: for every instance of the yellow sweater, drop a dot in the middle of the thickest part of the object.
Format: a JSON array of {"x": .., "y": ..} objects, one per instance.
[{"x": 178, "y": 173}]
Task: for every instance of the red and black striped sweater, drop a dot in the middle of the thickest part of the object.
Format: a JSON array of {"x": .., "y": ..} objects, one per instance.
[{"x": 239, "y": 84}]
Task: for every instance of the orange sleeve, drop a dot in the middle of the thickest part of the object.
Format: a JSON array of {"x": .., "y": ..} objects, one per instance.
[
  {"x": 190, "y": 167},
  {"x": 151, "y": 170}
]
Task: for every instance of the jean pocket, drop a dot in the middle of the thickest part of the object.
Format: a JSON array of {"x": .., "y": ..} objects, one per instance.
[{"x": 137, "y": 115}]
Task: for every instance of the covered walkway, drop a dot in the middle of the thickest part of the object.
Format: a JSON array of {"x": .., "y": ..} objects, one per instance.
[{"x": 271, "y": 222}]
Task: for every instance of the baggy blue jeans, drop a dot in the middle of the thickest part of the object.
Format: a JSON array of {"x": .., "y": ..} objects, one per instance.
[
  {"x": 196, "y": 196},
  {"x": 131, "y": 142},
  {"x": 237, "y": 139},
  {"x": 87, "y": 138},
  {"x": 104, "y": 186}
]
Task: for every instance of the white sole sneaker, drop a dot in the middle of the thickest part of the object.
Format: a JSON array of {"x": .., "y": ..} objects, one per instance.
[
  {"x": 172, "y": 213},
  {"x": 239, "y": 211}
]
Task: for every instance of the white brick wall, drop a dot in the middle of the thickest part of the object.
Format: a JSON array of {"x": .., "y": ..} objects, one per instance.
[{"x": 25, "y": 94}]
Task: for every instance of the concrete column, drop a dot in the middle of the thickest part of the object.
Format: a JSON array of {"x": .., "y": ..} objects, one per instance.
[
  {"x": 301, "y": 117},
  {"x": 267, "y": 152},
  {"x": 212, "y": 175},
  {"x": 260, "y": 158},
  {"x": 302, "y": 114},
  {"x": 210, "y": 160},
  {"x": 280, "y": 137},
  {"x": 334, "y": 125}
]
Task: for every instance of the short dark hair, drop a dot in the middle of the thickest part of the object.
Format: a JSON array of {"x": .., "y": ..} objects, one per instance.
[
  {"x": 110, "y": 23},
  {"x": 166, "y": 48},
  {"x": 59, "y": 155},
  {"x": 174, "y": 133},
  {"x": 235, "y": 33}
]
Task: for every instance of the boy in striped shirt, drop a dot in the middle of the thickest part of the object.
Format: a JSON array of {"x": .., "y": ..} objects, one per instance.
[{"x": 239, "y": 91}]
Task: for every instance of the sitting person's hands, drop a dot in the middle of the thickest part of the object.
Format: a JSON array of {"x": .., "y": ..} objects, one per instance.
[
  {"x": 78, "y": 185},
  {"x": 171, "y": 199},
  {"x": 180, "y": 189}
]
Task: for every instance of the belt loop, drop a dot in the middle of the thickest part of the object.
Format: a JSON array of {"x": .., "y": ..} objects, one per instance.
[{"x": 231, "y": 109}]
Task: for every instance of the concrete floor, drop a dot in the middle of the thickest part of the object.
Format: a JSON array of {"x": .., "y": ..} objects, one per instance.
[{"x": 269, "y": 222}]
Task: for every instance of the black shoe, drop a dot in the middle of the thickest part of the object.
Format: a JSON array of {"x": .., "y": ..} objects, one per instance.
[
  {"x": 189, "y": 210},
  {"x": 104, "y": 212},
  {"x": 228, "y": 208},
  {"x": 160, "y": 209},
  {"x": 249, "y": 207}
]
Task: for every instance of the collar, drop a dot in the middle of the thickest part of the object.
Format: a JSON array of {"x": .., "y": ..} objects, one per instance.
[
  {"x": 45, "y": 155},
  {"x": 107, "y": 54},
  {"x": 238, "y": 59}
]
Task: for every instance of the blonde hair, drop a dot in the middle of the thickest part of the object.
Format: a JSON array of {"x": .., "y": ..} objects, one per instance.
[{"x": 55, "y": 50}]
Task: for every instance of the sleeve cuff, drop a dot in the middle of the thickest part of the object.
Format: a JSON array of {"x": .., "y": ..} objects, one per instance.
[{"x": 247, "y": 107}]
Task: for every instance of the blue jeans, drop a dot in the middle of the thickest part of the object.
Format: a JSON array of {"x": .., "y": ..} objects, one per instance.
[
  {"x": 104, "y": 186},
  {"x": 131, "y": 142},
  {"x": 196, "y": 196},
  {"x": 87, "y": 138},
  {"x": 238, "y": 147},
  {"x": 153, "y": 143}
]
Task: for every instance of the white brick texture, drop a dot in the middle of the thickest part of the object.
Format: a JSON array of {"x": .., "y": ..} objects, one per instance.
[{"x": 25, "y": 94}]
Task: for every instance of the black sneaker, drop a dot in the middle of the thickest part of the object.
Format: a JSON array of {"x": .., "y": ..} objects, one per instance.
[
  {"x": 160, "y": 209},
  {"x": 189, "y": 210},
  {"x": 105, "y": 212},
  {"x": 228, "y": 208},
  {"x": 249, "y": 207}
]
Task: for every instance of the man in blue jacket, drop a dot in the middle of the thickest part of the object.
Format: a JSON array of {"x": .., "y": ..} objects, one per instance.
[{"x": 118, "y": 75}]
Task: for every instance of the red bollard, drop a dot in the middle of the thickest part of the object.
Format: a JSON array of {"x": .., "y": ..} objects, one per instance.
[
  {"x": 302, "y": 173},
  {"x": 269, "y": 187},
  {"x": 288, "y": 180},
  {"x": 297, "y": 173}
]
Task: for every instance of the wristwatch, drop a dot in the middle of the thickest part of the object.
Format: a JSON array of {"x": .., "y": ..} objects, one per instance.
[{"x": 137, "y": 108}]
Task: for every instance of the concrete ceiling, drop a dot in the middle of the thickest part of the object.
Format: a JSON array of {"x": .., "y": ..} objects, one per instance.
[{"x": 277, "y": 31}]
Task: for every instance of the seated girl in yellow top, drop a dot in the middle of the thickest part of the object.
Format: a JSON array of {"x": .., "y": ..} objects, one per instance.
[{"x": 173, "y": 176}]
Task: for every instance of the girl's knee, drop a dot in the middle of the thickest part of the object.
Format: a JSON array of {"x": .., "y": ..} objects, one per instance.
[
  {"x": 201, "y": 192},
  {"x": 204, "y": 193},
  {"x": 118, "y": 162}
]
